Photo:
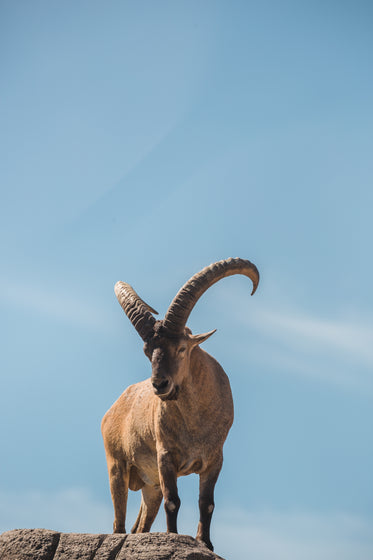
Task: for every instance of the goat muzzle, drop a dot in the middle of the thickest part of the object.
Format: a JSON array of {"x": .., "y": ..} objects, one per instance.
[
  {"x": 165, "y": 390},
  {"x": 161, "y": 386}
]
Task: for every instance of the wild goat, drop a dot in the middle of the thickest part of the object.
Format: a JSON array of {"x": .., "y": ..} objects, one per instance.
[{"x": 176, "y": 422}]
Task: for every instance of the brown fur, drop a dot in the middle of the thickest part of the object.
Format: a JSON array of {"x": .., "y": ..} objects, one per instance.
[{"x": 171, "y": 425}]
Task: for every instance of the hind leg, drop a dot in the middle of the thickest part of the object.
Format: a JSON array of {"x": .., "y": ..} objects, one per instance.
[
  {"x": 150, "y": 501},
  {"x": 118, "y": 478}
]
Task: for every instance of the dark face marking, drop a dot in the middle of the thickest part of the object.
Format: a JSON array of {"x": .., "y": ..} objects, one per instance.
[{"x": 167, "y": 357}]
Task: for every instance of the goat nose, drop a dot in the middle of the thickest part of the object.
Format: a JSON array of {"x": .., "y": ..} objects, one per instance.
[{"x": 160, "y": 385}]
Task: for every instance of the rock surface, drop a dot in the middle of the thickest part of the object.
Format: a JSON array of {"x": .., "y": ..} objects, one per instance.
[{"x": 42, "y": 544}]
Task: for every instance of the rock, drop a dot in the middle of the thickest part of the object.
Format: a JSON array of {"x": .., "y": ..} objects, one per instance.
[
  {"x": 27, "y": 544},
  {"x": 77, "y": 546},
  {"x": 41, "y": 544},
  {"x": 110, "y": 547},
  {"x": 164, "y": 546}
]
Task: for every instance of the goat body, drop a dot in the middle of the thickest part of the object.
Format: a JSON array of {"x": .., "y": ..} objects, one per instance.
[{"x": 170, "y": 425}]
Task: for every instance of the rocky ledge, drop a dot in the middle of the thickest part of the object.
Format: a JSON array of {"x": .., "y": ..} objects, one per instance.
[{"x": 42, "y": 544}]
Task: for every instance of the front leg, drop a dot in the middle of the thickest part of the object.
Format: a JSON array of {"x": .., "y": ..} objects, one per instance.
[
  {"x": 207, "y": 481},
  {"x": 168, "y": 480}
]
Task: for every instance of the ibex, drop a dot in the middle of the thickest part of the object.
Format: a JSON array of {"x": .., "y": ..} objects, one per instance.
[{"x": 176, "y": 422}]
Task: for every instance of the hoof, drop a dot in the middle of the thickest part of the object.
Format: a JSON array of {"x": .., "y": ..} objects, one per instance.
[{"x": 206, "y": 542}]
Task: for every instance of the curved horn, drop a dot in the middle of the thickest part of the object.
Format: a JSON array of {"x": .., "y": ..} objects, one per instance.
[
  {"x": 138, "y": 312},
  {"x": 183, "y": 303}
]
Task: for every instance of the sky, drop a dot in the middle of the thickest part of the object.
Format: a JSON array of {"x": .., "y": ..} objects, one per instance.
[{"x": 142, "y": 141}]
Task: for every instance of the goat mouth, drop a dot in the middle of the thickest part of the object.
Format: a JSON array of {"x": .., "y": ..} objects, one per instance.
[{"x": 171, "y": 395}]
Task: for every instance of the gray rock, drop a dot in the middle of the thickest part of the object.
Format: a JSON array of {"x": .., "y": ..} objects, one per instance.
[
  {"x": 78, "y": 546},
  {"x": 41, "y": 544},
  {"x": 164, "y": 546},
  {"x": 110, "y": 547},
  {"x": 28, "y": 544}
]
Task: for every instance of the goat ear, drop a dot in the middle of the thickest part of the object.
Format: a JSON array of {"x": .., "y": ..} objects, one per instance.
[{"x": 199, "y": 338}]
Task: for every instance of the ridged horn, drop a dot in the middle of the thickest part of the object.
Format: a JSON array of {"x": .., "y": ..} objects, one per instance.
[
  {"x": 183, "y": 303},
  {"x": 138, "y": 312}
]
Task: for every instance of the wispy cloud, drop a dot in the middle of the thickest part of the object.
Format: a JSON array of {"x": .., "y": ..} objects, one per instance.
[
  {"x": 343, "y": 336},
  {"x": 338, "y": 351},
  {"x": 72, "y": 509},
  {"x": 289, "y": 536},
  {"x": 53, "y": 302}
]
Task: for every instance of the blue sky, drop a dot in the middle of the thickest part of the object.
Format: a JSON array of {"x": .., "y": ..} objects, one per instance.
[{"x": 142, "y": 141}]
